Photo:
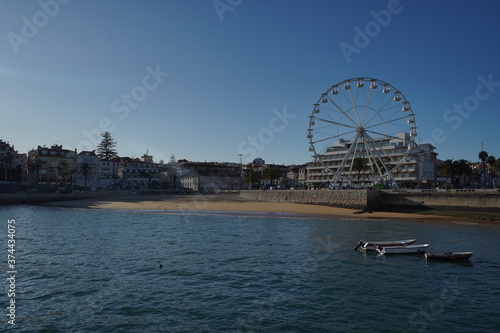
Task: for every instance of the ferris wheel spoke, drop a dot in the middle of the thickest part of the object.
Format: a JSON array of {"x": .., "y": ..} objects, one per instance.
[
  {"x": 341, "y": 95},
  {"x": 376, "y": 153},
  {"x": 346, "y": 158},
  {"x": 353, "y": 157},
  {"x": 332, "y": 137},
  {"x": 341, "y": 110},
  {"x": 337, "y": 135},
  {"x": 388, "y": 175},
  {"x": 354, "y": 105},
  {"x": 384, "y": 135},
  {"x": 391, "y": 117},
  {"x": 380, "y": 150},
  {"x": 372, "y": 157},
  {"x": 334, "y": 122},
  {"x": 378, "y": 111},
  {"x": 327, "y": 111},
  {"x": 381, "y": 114},
  {"x": 367, "y": 104},
  {"x": 386, "y": 122}
]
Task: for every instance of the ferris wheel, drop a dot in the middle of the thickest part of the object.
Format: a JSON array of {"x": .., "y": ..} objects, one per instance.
[{"x": 361, "y": 126}]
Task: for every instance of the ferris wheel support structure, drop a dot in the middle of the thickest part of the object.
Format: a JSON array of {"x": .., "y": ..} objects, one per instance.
[{"x": 362, "y": 121}]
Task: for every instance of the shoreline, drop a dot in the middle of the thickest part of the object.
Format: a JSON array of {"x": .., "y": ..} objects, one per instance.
[{"x": 234, "y": 205}]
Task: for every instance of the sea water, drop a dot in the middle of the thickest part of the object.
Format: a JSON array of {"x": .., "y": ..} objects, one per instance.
[{"x": 83, "y": 270}]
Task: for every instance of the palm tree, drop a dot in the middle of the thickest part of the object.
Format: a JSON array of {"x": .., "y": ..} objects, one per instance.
[
  {"x": 483, "y": 156},
  {"x": 491, "y": 160},
  {"x": 9, "y": 158},
  {"x": 359, "y": 164},
  {"x": 447, "y": 168},
  {"x": 85, "y": 169},
  {"x": 462, "y": 168},
  {"x": 496, "y": 166},
  {"x": 497, "y": 169},
  {"x": 37, "y": 165},
  {"x": 62, "y": 169}
]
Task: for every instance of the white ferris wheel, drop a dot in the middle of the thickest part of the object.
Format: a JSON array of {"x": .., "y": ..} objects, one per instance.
[{"x": 361, "y": 126}]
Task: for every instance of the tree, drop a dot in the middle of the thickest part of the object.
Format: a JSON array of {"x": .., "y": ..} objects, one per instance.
[
  {"x": 62, "y": 170},
  {"x": 106, "y": 149},
  {"x": 37, "y": 165},
  {"x": 447, "y": 168},
  {"x": 172, "y": 159},
  {"x": 483, "y": 156},
  {"x": 496, "y": 166},
  {"x": 254, "y": 179},
  {"x": 497, "y": 169},
  {"x": 85, "y": 169},
  {"x": 271, "y": 173},
  {"x": 462, "y": 168},
  {"x": 9, "y": 158},
  {"x": 491, "y": 161},
  {"x": 359, "y": 164}
]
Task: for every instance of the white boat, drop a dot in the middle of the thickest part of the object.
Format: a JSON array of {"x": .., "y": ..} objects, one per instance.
[
  {"x": 448, "y": 256},
  {"x": 372, "y": 245},
  {"x": 405, "y": 249}
]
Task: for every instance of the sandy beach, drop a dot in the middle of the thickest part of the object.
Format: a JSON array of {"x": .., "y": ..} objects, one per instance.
[{"x": 227, "y": 203}]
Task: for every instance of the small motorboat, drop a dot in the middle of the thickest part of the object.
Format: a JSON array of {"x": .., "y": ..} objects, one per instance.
[
  {"x": 372, "y": 245},
  {"x": 448, "y": 256},
  {"x": 404, "y": 249}
]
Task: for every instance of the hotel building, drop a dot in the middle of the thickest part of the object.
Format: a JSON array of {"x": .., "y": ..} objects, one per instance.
[{"x": 417, "y": 170}]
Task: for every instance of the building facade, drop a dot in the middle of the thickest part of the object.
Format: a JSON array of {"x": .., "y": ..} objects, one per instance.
[
  {"x": 138, "y": 172},
  {"x": 12, "y": 164},
  {"x": 296, "y": 177},
  {"x": 415, "y": 171},
  {"x": 87, "y": 169},
  {"x": 209, "y": 177},
  {"x": 58, "y": 165}
]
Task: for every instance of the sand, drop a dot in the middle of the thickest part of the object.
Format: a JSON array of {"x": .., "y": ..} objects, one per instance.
[{"x": 227, "y": 203}]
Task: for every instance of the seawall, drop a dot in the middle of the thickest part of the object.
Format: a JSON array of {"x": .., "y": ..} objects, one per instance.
[
  {"x": 354, "y": 199},
  {"x": 439, "y": 199},
  {"x": 385, "y": 199},
  {"x": 34, "y": 198}
]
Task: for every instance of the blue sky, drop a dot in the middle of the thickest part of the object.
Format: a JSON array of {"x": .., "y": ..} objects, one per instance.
[{"x": 237, "y": 77}]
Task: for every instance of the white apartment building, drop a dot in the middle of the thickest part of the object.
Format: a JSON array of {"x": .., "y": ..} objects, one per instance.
[
  {"x": 416, "y": 171},
  {"x": 91, "y": 159}
]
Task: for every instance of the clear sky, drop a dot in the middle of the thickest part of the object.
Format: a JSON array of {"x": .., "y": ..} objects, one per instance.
[{"x": 208, "y": 80}]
